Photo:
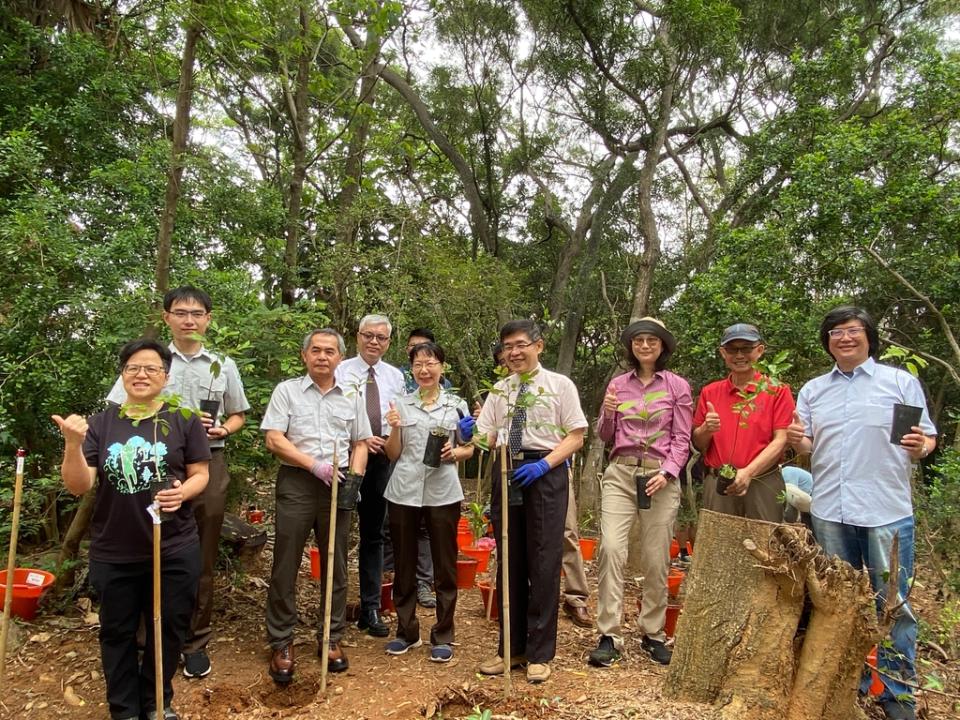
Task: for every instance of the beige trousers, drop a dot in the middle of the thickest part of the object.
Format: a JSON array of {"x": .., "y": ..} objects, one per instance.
[
  {"x": 575, "y": 590},
  {"x": 618, "y": 503}
]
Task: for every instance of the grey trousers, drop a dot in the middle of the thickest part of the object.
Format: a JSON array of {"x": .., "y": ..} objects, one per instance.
[{"x": 303, "y": 504}]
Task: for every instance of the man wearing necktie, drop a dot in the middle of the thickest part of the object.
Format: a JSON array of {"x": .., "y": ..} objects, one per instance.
[
  {"x": 379, "y": 383},
  {"x": 537, "y": 412}
]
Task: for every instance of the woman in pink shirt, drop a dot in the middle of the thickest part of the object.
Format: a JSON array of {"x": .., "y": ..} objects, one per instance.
[{"x": 646, "y": 415}]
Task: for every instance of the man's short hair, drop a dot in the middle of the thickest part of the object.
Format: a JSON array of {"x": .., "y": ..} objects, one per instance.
[
  {"x": 527, "y": 327},
  {"x": 422, "y": 332},
  {"x": 184, "y": 293},
  {"x": 841, "y": 315},
  {"x": 135, "y": 346},
  {"x": 324, "y": 331},
  {"x": 376, "y": 320}
]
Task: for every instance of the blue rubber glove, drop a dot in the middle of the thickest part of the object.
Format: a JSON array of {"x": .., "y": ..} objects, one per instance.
[
  {"x": 466, "y": 426},
  {"x": 526, "y": 474}
]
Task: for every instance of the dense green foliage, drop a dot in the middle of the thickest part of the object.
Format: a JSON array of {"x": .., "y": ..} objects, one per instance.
[{"x": 705, "y": 161}]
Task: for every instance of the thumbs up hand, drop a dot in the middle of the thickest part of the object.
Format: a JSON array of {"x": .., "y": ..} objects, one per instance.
[
  {"x": 796, "y": 430},
  {"x": 393, "y": 416},
  {"x": 74, "y": 428},
  {"x": 711, "y": 420},
  {"x": 610, "y": 403}
]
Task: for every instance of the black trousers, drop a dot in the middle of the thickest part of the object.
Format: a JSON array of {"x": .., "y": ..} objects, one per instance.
[
  {"x": 125, "y": 591},
  {"x": 441, "y": 523},
  {"x": 424, "y": 558},
  {"x": 536, "y": 554},
  {"x": 303, "y": 504},
  {"x": 371, "y": 510}
]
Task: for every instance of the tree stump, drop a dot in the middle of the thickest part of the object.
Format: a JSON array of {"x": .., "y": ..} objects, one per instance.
[{"x": 738, "y": 640}]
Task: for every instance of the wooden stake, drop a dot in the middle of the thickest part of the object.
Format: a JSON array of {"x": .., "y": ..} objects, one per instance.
[
  {"x": 504, "y": 562},
  {"x": 328, "y": 595},
  {"x": 157, "y": 619},
  {"x": 11, "y": 559}
]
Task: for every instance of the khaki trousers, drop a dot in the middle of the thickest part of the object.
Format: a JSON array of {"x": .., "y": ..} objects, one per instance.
[
  {"x": 575, "y": 590},
  {"x": 618, "y": 513}
]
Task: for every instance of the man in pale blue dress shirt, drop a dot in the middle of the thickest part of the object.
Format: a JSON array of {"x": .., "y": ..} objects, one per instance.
[{"x": 861, "y": 480}]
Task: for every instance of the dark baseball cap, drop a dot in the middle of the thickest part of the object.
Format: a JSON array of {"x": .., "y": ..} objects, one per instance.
[{"x": 741, "y": 331}]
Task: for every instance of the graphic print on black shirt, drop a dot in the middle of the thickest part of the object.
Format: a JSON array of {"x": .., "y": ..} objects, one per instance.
[{"x": 130, "y": 466}]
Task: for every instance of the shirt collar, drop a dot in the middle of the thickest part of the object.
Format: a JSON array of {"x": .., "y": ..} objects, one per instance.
[
  {"x": 868, "y": 366},
  {"x": 306, "y": 382},
  {"x": 657, "y": 375},
  {"x": 749, "y": 387},
  {"x": 202, "y": 352}
]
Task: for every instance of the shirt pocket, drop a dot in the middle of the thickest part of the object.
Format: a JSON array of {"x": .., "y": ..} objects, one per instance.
[
  {"x": 344, "y": 422},
  {"x": 302, "y": 425},
  {"x": 877, "y": 416}
]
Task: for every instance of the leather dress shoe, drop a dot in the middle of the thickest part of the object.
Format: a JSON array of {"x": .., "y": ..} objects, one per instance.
[
  {"x": 371, "y": 622},
  {"x": 578, "y": 615},
  {"x": 282, "y": 664},
  {"x": 336, "y": 658}
]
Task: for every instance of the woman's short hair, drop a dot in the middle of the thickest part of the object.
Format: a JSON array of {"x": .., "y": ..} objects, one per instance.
[
  {"x": 135, "y": 346},
  {"x": 430, "y": 349}
]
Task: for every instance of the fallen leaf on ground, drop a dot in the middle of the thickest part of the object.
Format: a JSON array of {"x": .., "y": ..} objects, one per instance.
[{"x": 71, "y": 698}]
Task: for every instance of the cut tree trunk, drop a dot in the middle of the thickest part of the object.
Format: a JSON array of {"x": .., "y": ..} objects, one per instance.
[{"x": 739, "y": 644}]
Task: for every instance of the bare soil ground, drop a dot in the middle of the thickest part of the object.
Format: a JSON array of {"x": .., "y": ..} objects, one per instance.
[{"x": 54, "y": 666}]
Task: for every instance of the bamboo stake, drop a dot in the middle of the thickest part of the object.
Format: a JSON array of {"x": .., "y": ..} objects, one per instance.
[
  {"x": 328, "y": 593},
  {"x": 505, "y": 567},
  {"x": 11, "y": 559},
  {"x": 477, "y": 496},
  {"x": 157, "y": 619}
]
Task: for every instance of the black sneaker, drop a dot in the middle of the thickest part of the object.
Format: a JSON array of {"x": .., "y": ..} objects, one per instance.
[
  {"x": 657, "y": 650},
  {"x": 606, "y": 654},
  {"x": 894, "y": 710},
  {"x": 196, "y": 665}
]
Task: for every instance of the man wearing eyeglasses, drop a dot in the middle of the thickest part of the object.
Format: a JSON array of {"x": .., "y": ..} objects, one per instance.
[
  {"x": 195, "y": 375},
  {"x": 537, "y": 413},
  {"x": 861, "y": 477},
  {"x": 749, "y": 437},
  {"x": 378, "y": 383}
]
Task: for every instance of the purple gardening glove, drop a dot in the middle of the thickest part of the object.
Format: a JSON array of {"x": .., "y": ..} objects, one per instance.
[
  {"x": 526, "y": 474},
  {"x": 324, "y": 471},
  {"x": 466, "y": 426}
]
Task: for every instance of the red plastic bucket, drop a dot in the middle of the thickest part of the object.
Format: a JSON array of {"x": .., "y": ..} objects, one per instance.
[
  {"x": 464, "y": 538},
  {"x": 673, "y": 614},
  {"x": 29, "y": 585},
  {"x": 876, "y": 684},
  {"x": 315, "y": 563},
  {"x": 481, "y": 555},
  {"x": 466, "y": 573},
  {"x": 674, "y": 580},
  {"x": 489, "y": 595},
  {"x": 386, "y": 597},
  {"x": 588, "y": 546}
]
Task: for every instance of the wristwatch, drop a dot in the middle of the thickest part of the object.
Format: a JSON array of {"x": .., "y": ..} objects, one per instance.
[{"x": 667, "y": 475}]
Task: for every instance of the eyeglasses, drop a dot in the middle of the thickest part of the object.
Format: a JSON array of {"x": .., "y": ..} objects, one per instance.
[
  {"x": 426, "y": 365},
  {"x": 740, "y": 349},
  {"x": 192, "y": 314},
  {"x": 517, "y": 346},
  {"x": 648, "y": 341},
  {"x": 370, "y": 337},
  {"x": 150, "y": 370},
  {"x": 852, "y": 332}
]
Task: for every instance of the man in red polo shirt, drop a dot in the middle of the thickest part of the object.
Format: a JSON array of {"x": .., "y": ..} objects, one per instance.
[{"x": 750, "y": 441}]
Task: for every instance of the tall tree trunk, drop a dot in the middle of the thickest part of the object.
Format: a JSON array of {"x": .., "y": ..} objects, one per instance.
[
  {"x": 298, "y": 112},
  {"x": 181, "y": 132}
]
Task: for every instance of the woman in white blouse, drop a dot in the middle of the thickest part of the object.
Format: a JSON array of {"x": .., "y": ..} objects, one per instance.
[{"x": 419, "y": 491}]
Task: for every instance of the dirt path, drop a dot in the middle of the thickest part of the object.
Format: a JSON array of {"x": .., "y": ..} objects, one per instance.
[{"x": 57, "y": 664}]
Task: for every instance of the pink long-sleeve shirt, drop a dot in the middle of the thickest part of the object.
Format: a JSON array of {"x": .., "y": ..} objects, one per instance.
[{"x": 672, "y": 448}]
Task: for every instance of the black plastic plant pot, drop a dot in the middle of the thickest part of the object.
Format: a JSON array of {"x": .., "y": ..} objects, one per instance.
[
  {"x": 211, "y": 407},
  {"x": 349, "y": 491},
  {"x": 155, "y": 487},
  {"x": 723, "y": 484},
  {"x": 514, "y": 492},
  {"x": 435, "y": 442},
  {"x": 643, "y": 500}
]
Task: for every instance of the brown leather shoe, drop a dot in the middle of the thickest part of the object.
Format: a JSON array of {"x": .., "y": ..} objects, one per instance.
[
  {"x": 336, "y": 658},
  {"x": 282, "y": 664},
  {"x": 578, "y": 615}
]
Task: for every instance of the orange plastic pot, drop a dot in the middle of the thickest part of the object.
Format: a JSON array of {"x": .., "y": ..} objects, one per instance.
[
  {"x": 314, "y": 563},
  {"x": 673, "y": 614},
  {"x": 674, "y": 549},
  {"x": 876, "y": 684},
  {"x": 588, "y": 546},
  {"x": 481, "y": 555},
  {"x": 489, "y": 595},
  {"x": 464, "y": 538},
  {"x": 29, "y": 585},
  {"x": 674, "y": 580},
  {"x": 466, "y": 573},
  {"x": 386, "y": 597}
]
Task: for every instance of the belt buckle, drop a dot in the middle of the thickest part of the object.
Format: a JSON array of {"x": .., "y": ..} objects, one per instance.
[{"x": 517, "y": 456}]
